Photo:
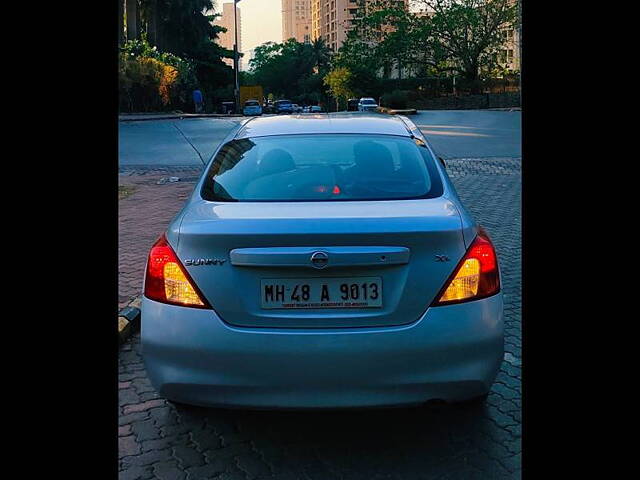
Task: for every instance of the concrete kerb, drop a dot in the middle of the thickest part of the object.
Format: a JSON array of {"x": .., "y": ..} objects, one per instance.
[
  {"x": 129, "y": 319},
  {"x": 181, "y": 116},
  {"x": 392, "y": 111}
]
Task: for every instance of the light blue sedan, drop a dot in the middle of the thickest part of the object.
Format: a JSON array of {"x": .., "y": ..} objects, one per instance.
[
  {"x": 251, "y": 108},
  {"x": 323, "y": 262}
]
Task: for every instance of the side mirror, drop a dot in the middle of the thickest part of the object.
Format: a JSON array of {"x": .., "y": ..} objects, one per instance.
[{"x": 442, "y": 162}]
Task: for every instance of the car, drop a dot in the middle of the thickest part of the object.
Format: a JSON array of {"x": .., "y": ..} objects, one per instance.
[
  {"x": 315, "y": 109},
  {"x": 295, "y": 108},
  {"x": 252, "y": 107},
  {"x": 367, "y": 104},
  {"x": 306, "y": 109},
  {"x": 283, "y": 106},
  {"x": 323, "y": 262},
  {"x": 352, "y": 105}
]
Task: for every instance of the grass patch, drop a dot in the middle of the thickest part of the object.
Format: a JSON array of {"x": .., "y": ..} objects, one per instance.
[{"x": 125, "y": 190}]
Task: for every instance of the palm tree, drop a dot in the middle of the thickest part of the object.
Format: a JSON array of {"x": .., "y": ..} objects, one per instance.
[{"x": 321, "y": 54}]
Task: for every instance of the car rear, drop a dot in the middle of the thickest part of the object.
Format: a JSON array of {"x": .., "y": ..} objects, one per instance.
[
  {"x": 252, "y": 107},
  {"x": 367, "y": 105},
  {"x": 283, "y": 106},
  {"x": 322, "y": 271}
]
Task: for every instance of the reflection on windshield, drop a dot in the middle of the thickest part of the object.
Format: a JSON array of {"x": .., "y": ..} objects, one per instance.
[{"x": 321, "y": 168}]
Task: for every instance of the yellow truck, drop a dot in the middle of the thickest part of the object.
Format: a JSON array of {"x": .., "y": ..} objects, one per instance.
[{"x": 251, "y": 93}]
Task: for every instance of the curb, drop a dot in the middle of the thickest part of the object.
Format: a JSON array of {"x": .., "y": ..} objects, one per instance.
[
  {"x": 122, "y": 118},
  {"x": 505, "y": 109},
  {"x": 407, "y": 111},
  {"x": 129, "y": 320}
]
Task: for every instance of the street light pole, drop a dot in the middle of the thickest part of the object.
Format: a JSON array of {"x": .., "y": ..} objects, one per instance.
[{"x": 235, "y": 55}]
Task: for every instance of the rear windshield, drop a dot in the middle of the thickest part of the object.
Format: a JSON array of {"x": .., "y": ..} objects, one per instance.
[
  {"x": 290, "y": 168},
  {"x": 368, "y": 101},
  {"x": 251, "y": 104}
]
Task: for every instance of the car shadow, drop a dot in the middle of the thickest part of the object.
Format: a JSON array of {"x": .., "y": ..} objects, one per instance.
[{"x": 439, "y": 439}]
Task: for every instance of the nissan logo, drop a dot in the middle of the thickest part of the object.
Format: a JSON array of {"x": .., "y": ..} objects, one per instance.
[{"x": 319, "y": 259}]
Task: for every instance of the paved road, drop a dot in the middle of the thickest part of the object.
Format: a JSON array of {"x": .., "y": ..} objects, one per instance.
[
  {"x": 471, "y": 133},
  {"x": 453, "y": 133},
  {"x": 168, "y": 142}
]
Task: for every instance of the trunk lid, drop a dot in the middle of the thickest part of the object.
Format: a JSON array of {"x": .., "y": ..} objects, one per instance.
[{"x": 231, "y": 249}]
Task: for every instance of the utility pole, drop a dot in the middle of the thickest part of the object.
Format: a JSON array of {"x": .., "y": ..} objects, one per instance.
[{"x": 235, "y": 55}]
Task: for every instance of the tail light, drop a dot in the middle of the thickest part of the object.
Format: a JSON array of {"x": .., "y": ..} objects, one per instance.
[
  {"x": 166, "y": 279},
  {"x": 475, "y": 277}
]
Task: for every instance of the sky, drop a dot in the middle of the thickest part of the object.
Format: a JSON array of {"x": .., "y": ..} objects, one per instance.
[{"x": 261, "y": 21}]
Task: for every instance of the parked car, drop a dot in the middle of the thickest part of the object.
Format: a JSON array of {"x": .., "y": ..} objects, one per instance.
[
  {"x": 352, "y": 104},
  {"x": 336, "y": 267},
  {"x": 315, "y": 109},
  {"x": 295, "y": 108},
  {"x": 252, "y": 107},
  {"x": 367, "y": 104},
  {"x": 306, "y": 109},
  {"x": 283, "y": 106}
]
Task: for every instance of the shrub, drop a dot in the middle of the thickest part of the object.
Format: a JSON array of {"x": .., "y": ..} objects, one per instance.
[
  {"x": 151, "y": 80},
  {"x": 395, "y": 99}
]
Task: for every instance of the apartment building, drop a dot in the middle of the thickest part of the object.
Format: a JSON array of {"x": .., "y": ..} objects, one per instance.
[
  {"x": 509, "y": 55},
  {"x": 332, "y": 20},
  {"x": 296, "y": 20},
  {"x": 227, "y": 38}
]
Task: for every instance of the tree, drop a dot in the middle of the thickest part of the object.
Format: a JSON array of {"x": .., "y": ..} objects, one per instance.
[
  {"x": 292, "y": 69},
  {"x": 184, "y": 28},
  {"x": 339, "y": 82},
  {"x": 466, "y": 34}
]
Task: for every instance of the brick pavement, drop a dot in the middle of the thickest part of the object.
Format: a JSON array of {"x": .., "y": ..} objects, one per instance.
[
  {"x": 142, "y": 218},
  {"x": 158, "y": 440}
]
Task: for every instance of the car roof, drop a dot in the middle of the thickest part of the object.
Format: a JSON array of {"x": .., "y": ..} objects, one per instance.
[{"x": 328, "y": 123}]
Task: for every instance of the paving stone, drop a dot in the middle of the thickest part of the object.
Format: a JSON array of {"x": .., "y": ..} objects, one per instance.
[
  {"x": 128, "y": 446},
  {"x": 147, "y": 458},
  {"x": 136, "y": 473},
  {"x": 188, "y": 456},
  {"x": 168, "y": 471},
  {"x": 145, "y": 430},
  {"x": 143, "y": 406},
  {"x": 206, "y": 471}
]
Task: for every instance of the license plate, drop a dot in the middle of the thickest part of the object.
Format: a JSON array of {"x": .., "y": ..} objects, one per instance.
[{"x": 294, "y": 293}]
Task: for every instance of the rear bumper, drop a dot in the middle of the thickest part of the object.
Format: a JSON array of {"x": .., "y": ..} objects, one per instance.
[{"x": 452, "y": 353}]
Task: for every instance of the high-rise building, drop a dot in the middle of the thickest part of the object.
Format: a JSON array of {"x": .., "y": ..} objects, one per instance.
[
  {"x": 332, "y": 20},
  {"x": 296, "y": 20},
  {"x": 227, "y": 38}
]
